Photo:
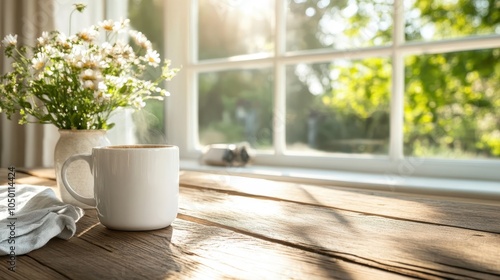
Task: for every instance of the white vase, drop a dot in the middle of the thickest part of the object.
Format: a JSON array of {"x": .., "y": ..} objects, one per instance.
[{"x": 72, "y": 142}]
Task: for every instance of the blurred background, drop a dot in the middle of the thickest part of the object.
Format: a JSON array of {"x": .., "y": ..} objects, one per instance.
[{"x": 451, "y": 99}]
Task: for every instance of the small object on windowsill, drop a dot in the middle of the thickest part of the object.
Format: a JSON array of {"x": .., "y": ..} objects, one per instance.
[{"x": 239, "y": 154}]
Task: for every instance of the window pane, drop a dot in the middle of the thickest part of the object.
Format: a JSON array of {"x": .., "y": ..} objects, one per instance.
[
  {"x": 146, "y": 17},
  {"x": 453, "y": 105},
  {"x": 235, "y": 27},
  {"x": 341, "y": 106},
  {"x": 338, "y": 24},
  {"x": 445, "y": 19},
  {"x": 236, "y": 106}
]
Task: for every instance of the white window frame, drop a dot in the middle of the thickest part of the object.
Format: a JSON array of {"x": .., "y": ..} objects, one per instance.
[{"x": 182, "y": 105}]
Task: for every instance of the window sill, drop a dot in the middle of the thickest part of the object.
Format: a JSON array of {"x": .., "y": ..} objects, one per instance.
[{"x": 449, "y": 188}]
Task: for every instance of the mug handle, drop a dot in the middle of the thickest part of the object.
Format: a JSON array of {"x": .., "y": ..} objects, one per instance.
[{"x": 88, "y": 159}]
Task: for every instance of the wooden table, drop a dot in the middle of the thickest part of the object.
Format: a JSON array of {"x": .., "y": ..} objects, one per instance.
[{"x": 234, "y": 227}]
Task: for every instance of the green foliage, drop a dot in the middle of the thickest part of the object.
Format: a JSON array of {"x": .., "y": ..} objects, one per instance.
[
  {"x": 452, "y": 103},
  {"x": 236, "y": 106},
  {"x": 362, "y": 87},
  {"x": 451, "y": 19}
]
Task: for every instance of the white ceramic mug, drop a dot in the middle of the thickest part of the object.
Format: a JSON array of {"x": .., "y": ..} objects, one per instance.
[{"x": 136, "y": 187}]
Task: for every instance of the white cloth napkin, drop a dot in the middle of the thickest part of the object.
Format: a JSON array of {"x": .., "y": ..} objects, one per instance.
[{"x": 39, "y": 216}]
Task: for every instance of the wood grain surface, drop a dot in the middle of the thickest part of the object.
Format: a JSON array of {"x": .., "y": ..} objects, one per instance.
[{"x": 232, "y": 227}]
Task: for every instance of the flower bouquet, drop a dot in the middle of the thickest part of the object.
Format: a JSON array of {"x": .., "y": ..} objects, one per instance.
[{"x": 76, "y": 82}]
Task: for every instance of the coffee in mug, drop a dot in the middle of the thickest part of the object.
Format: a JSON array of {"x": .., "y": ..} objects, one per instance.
[{"x": 136, "y": 187}]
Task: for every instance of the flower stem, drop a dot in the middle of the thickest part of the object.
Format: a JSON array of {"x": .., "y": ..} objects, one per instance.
[
  {"x": 78, "y": 7},
  {"x": 70, "y": 16}
]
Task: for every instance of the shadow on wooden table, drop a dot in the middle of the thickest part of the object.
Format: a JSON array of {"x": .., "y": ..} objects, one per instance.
[
  {"x": 98, "y": 253},
  {"x": 457, "y": 258},
  {"x": 385, "y": 230}
]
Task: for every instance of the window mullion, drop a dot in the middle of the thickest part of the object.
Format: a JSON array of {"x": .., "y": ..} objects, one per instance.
[
  {"x": 181, "y": 105},
  {"x": 397, "y": 93},
  {"x": 452, "y": 45},
  {"x": 192, "y": 80},
  {"x": 279, "y": 114}
]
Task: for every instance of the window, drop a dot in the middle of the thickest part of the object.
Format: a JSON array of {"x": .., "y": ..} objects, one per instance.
[{"x": 397, "y": 87}]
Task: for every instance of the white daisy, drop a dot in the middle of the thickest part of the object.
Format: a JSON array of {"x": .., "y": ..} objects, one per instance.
[
  {"x": 108, "y": 25},
  {"x": 88, "y": 35},
  {"x": 92, "y": 61},
  {"x": 88, "y": 74},
  {"x": 76, "y": 57},
  {"x": 44, "y": 39},
  {"x": 140, "y": 39},
  {"x": 138, "y": 102},
  {"x": 101, "y": 94},
  {"x": 64, "y": 41},
  {"x": 128, "y": 53},
  {"x": 89, "y": 84},
  {"x": 123, "y": 24},
  {"x": 39, "y": 61},
  {"x": 119, "y": 82},
  {"x": 102, "y": 87},
  {"x": 90, "y": 78},
  {"x": 61, "y": 38},
  {"x": 10, "y": 40},
  {"x": 152, "y": 57}
]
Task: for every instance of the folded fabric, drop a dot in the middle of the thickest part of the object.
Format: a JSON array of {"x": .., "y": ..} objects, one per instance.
[{"x": 32, "y": 215}]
